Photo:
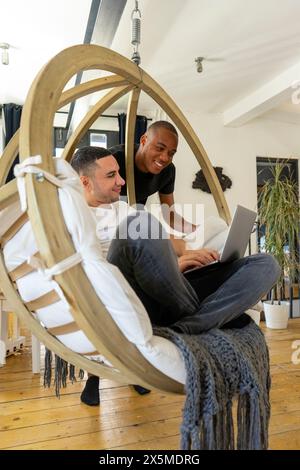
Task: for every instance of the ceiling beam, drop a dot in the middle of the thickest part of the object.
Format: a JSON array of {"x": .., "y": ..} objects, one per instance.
[
  {"x": 101, "y": 27},
  {"x": 94, "y": 10},
  {"x": 270, "y": 95},
  {"x": 108, "y": 21}
]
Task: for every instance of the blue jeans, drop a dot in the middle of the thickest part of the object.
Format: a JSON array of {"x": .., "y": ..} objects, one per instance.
[{"x": 198, "y": 301}]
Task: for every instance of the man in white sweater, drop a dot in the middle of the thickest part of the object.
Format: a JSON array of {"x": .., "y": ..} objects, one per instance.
[
  {"x": 99, "y": 174},
  {"x": 102, "y": 184}
]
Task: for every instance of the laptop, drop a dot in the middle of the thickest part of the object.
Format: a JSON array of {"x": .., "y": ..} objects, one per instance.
[{"x": 237, "y": 237}]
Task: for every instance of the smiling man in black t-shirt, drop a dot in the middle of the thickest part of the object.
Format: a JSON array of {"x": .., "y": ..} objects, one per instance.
[
  {"x": 153, "y": 168},
  {"x": 146, "y": 183}
]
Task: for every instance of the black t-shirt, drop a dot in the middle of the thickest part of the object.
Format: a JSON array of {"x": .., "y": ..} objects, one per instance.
[{"x": 145, "y": 183}]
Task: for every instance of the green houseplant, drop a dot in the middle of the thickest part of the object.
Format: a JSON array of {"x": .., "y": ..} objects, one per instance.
[{"x": 278, "y": 211}]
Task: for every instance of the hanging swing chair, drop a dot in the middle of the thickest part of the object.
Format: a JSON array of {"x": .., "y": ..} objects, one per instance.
[{"x": 91, "y": 332}]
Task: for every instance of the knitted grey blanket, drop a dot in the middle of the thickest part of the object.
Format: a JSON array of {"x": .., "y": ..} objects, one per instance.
[{"x": 221, "y": 365}]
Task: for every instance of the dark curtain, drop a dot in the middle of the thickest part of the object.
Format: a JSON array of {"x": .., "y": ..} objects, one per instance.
[
  {"x": 140, "y": 128},
  {"x": 12, "y": 118}
]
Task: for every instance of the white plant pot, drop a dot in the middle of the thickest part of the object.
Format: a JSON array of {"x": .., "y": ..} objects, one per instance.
[{"x": 276, "y": 315}]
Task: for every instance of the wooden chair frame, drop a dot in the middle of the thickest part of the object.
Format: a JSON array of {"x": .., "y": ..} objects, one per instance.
[{"x": 54, "y": 242}]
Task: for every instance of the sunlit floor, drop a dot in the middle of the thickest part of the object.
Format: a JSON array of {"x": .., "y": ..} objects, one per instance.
[{"x": 31, "y": 417}]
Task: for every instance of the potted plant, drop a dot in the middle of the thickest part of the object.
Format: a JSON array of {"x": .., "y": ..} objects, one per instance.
[{"x": 278, "y": 212}]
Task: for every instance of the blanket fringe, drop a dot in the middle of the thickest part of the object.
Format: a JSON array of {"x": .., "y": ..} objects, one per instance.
[{"x": 62, "y": 370}]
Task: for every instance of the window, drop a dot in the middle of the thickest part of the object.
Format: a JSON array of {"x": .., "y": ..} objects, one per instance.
[
  {"x": 58, "y": 151},
  {"x": 98, "y": 140},
  {"x": 59, "y": 140}
]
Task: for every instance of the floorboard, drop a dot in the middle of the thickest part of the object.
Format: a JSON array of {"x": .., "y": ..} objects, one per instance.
[{"x": 31, "y": 417}]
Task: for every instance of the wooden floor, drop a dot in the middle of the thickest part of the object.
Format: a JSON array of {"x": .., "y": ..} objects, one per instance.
[{"x": 31, "y": 417}]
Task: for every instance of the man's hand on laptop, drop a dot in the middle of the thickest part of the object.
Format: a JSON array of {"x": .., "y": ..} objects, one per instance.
[{"x": 197, "y": 258}]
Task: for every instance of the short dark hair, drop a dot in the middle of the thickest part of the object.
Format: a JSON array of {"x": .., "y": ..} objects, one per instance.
[
  {"x": 84, "y": 159},
  {"x": 163, "y": 124}
]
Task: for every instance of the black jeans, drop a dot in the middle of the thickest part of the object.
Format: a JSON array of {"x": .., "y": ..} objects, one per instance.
[{"x": 195, "y": 302}]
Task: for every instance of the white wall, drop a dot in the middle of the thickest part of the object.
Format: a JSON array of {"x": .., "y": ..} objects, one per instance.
[{"x": 234, "y": 149}]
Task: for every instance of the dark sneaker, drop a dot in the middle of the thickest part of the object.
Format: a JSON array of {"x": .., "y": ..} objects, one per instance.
[
  {"x": 91, "y": 395},
  {"x": 141, "y": 390}
]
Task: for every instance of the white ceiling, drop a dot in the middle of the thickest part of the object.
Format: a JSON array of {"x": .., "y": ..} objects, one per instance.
[
  {"x": 37, "y": 30},
  {"x": 247, "y": 44}
]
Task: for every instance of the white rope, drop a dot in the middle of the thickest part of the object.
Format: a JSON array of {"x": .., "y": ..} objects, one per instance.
[
  {"x": 28, "y": 166},
  {"x": 58, "y": 268},
  {"x": 20, "y": 171}
]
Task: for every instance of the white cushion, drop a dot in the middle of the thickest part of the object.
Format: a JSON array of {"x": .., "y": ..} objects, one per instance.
[
  {"x": 165, "y": 356},
  {"x": 212, "y": 235},
  {"x": 112, "y": 288},
  {"x": 211, "y": 232},
  {"x": 254, "y": 314},
  {"x": 110, "y": 285}
]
